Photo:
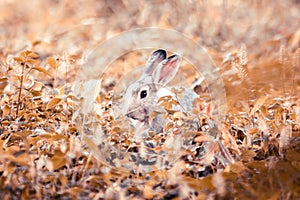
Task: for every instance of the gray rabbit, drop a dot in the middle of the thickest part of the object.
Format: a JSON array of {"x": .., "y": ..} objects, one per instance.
[{"x": 141, "y": 97}]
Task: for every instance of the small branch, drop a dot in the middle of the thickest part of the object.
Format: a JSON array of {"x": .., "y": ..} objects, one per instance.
[{"x": 20, "y": 89}]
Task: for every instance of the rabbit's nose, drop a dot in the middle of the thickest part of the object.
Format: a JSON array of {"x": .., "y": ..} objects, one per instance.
[
  {"x": 130, "y": 115},
  {"x": 133, "y": 115}
]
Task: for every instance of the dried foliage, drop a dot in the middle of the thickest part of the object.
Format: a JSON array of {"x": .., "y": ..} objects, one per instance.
[{"x": 255, "y": 154}]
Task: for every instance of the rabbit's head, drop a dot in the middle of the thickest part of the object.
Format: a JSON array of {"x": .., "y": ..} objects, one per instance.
[{"x": 141, "y": 97}]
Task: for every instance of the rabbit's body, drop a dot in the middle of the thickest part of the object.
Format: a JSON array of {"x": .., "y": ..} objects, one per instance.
[{"x": 141, "y": 97}]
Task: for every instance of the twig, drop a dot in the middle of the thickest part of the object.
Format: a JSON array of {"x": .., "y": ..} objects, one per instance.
[{"x": 20, "y": 88}]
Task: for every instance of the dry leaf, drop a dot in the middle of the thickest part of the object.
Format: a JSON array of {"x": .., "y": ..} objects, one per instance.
[
  {"x": 40, "y": 69},
  {"x": 3, "y": 83},
  {"x": 52, "y": 62},
  {"x": 53, "y": 102},
  {"x": 57, "y": 161},
  {"x": 237, "y": 167},
  {"x": 247, "y": 155},
  {"x": 6, "y": 110}
]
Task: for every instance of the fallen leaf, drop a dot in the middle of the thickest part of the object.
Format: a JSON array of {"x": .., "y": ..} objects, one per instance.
[{"x": 53, "y": 102}]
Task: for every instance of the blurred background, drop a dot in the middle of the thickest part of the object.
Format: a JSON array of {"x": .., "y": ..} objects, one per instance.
[{"x": 217, "y": 24}]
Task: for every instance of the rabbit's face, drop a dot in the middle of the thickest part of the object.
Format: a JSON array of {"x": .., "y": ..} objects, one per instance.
[{"x": 141, "y": 97}]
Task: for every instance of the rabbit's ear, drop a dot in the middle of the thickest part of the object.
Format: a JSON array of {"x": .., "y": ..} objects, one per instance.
[
  {"x": 154, "y": 60},
  {"x": 166, "y": 70}
]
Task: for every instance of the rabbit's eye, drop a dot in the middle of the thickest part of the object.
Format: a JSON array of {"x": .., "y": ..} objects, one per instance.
[{"x": 143, "y": 94}]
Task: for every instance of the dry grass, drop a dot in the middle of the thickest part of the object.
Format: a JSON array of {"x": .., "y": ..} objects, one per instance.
[{"x": 254, "y": 154}]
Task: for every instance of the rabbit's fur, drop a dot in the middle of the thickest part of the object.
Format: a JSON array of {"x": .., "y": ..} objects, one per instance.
[{"x": 141, "y": 97}]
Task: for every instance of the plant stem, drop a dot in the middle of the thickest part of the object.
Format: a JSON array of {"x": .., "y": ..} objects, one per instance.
[{"x": 20, "y": 89}]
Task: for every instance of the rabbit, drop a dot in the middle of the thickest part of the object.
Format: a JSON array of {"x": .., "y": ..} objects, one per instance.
[{"x": 141, "y": 97}]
